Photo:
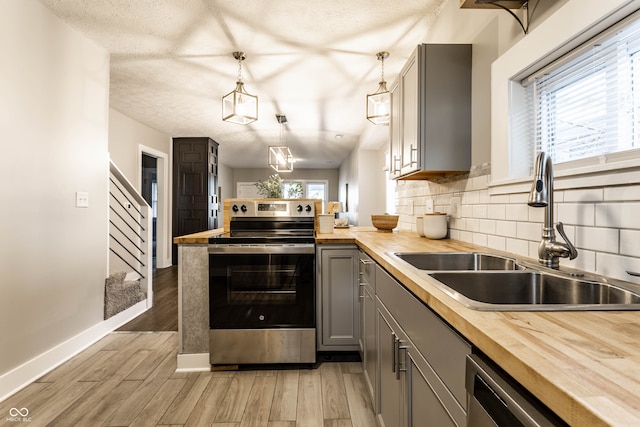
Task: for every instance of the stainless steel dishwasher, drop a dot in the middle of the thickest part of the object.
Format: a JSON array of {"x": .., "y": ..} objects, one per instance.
[{"x": 495, "y": 399}]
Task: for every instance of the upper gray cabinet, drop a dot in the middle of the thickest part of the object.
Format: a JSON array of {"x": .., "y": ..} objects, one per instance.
[{"x": 430, "y": 126}]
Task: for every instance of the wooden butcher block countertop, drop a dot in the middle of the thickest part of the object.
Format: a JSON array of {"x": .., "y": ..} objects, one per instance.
[{"x": 584, "y": 365}]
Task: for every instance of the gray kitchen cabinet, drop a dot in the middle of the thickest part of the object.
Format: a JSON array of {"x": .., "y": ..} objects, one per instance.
[
  {"x": 338, "y": 302},
  {"x": 392, "y": 399},
  {"x": 430, "y": 126},
  {"x": 395, "y": 134},
  {"x": 367, "y": 342},
  {"x": 421, "y": 361}
]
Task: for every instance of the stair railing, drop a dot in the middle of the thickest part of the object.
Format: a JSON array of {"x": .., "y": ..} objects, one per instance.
[{"x": 130, "y": 231}]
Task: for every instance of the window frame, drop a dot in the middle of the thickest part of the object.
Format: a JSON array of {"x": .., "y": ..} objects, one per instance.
[{"x": 571, "y": 26}]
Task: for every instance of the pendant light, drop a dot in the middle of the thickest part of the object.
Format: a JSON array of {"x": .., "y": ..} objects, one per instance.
[
  {"x": 238, "y": 106},
  {"x": 379, "y": 103},
  {"x": 280, "y": 157}
]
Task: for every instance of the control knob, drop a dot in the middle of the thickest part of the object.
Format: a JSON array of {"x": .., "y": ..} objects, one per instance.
[
  {"x": 234, "y": 208},
  {"x": 243, "y": 208},
  {"x": 308, "y": 208},
  {"x": 299, "y": 208}
]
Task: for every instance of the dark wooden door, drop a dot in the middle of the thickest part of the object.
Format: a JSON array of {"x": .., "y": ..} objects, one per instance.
[{"x": 195, "y": 173}]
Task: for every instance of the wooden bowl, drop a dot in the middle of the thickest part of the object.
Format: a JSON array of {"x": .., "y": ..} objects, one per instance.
[{"x": 385, "y": 223}]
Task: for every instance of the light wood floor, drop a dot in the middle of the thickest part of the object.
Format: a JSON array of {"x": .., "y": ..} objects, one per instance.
[
  {"x": 129, "y": 379},
  {"x": 163, "y": 315}
]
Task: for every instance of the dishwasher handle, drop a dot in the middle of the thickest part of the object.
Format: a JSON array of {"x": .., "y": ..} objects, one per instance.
[{"x": 495, "y": 399}]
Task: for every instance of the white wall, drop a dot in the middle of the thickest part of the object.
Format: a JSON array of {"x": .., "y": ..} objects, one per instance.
[
  {"x": 128, "y": 139},
  {"x": 125, "y": 135},
  {"x": 54, "y": 121}
]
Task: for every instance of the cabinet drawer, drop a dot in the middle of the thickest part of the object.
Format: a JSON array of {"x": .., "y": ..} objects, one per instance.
[{"x": 443, "y": 348}]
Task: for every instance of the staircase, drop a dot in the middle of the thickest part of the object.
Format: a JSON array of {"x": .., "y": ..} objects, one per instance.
[{"x": 130, "y": 246}]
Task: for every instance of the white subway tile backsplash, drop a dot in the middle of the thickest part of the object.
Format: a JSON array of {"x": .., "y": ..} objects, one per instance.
[
  {"x": 507, "y": 228},
  {"x": 479, "y": 211},
  {"x": 519, "y": 212},
  {"x": 484, "y": 197},
  {"x": 529, "y": 231},
  {"x": 496, "y": 242},
  {"x": 536, "y": 214},
  {"x": 466, "y": 236},
  {"x": 630, "y": 242},
  {"x": 586, "y": 261},
  {"x": 619, "y": 215},
  {"x": 576, "y": 213},
  {"x": 584, "y": 195},
  {"x": 627, "y": 192},
  {"x": 499, "y": 199},
  {"x": 617, "y": 266},
  {"x": 604, "y": 223},
  {"x": 488, "y": 226},
  {"x": 480, "y": 239},
  {"x": 466, "y": 211},
  {"x": 471, "y": 197},
  {"x": 496, "y": 211},
  {"x": 518, "y": 247},
  {"x": 597, "y": 239},
  {"x": 472, "y": 224},
  {"x": 519, "y": 198},
  {"x": 533, "y": 250}
]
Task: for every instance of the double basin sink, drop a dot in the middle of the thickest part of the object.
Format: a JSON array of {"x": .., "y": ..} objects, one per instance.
[{"x": 483, "y": 281}]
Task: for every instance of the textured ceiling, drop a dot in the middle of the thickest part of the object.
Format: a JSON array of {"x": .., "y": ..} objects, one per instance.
[{"x": 314, "y": 61}]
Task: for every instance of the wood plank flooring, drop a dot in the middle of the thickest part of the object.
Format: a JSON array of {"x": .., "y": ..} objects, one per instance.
[
  {"x": 129, "y": 379},
  {"x": 163, "y": 315}
]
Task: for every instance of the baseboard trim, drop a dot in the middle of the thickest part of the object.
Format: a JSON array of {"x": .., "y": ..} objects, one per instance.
[
  {"x": 16, "y": 379},
  {"x": 193, "y": 362}
]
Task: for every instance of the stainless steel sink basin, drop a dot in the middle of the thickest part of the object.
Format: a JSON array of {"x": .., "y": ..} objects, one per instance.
[
  {"x": 534, "y": 291},
  {"x": 439, "y": 261}
]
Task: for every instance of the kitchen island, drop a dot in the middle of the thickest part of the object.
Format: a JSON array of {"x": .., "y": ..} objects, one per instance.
[{"x": 585, "y": 366}]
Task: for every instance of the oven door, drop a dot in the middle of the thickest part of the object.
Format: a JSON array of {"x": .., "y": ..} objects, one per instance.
[{"x": 262, "y": 286}]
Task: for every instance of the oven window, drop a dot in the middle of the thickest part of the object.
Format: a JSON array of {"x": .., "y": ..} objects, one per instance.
[{"x": 261, "y": 290}]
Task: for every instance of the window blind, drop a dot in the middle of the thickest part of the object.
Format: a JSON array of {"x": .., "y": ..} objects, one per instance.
[{"x": 586, "y": 104}]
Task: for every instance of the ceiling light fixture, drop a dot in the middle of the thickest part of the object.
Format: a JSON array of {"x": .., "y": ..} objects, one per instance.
[
  {"x": 238, "y": 106},
  {"x": 379, "y": 103},
  {"x": 280, "y": 157}
]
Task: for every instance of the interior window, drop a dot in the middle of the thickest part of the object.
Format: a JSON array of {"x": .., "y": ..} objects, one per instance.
[{"x": 305, "y": 189}]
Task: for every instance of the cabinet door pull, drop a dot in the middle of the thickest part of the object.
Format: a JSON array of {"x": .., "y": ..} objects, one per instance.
[
  {"x": 414, "y": 159},
  {"x": 399, "y": 363},
  {"x": 361, "y": 293}
]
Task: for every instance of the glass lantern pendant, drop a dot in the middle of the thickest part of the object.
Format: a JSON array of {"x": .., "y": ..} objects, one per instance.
[
  {"x": 379, "y": 103},
  {"x": 238, "y": 106}
]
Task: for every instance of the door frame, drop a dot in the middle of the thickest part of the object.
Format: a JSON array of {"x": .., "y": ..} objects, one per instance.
[{"x": 163, "y": 234}]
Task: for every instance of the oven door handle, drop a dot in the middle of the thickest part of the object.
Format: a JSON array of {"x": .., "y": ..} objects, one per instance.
[{"x": 266, "y": 248}]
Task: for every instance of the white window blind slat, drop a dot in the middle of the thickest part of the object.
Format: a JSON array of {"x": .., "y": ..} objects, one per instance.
[{"x": 585, "y": 105}]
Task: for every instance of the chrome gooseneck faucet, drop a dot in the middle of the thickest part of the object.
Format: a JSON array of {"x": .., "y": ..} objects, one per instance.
[{"x": 541, "y": 196}]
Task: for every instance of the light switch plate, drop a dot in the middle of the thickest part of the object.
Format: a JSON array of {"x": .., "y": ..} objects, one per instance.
[
  {"x": 429, "y": 207},
  {"x": 455, "y": 207},
  {"x": 82, "y": 199}
]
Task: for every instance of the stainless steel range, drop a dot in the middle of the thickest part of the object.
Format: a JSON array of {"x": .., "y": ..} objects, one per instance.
[{"x": 262, "y": 284}]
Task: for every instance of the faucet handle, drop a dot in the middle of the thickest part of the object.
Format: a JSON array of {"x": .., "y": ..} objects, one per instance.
[{"x": 573, "y": 252}]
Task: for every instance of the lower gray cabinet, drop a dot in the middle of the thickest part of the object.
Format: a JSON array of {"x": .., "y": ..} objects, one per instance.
[
  {"x": 367, "y": 341},
  {"x": 338, "y": 302},
  {"x": 391, "y": 410},
  {"x": 421, "y": 362}
]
